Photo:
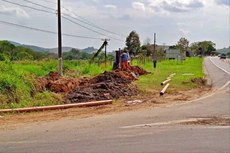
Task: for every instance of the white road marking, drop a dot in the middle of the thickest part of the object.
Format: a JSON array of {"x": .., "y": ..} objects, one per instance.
[
  {"x": 218, "y": 66},
  {"x": 175, "y": 122}
]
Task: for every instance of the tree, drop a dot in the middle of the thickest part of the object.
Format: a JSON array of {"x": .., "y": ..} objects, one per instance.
[
  {"x": 133, "y": 43},
  {"x": 182, "y": 44},
  {"x": 6, "y": 48},
  {"x": 194, "y": 47},
  {"x": 206, "y": 46}
]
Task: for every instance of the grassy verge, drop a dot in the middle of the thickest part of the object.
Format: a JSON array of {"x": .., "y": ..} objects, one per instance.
[
  {"x": 17, "y": 79},
  {"x": 185, "y": 71}
]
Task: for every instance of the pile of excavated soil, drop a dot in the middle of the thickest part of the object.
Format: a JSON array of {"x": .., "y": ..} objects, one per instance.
[
  {"x": 108, "y": 85},
  {"x": 55, "y": 83}
]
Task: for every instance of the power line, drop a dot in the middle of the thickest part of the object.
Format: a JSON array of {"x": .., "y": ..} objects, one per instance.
[
  {"x": 83, "y": 20},
  {"x": 46, "y": 31},
  {"x": 91, "y": 29},
  {"x": 63, "y": 17},
  {"x": 49, "y": 1},
  {"x": 37, "y": 9},
  {"x": 90, "y": 23},
  {"x": 40, "y": 5}
]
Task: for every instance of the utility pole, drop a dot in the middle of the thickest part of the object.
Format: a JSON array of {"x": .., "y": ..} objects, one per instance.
[
  {"x": 59, "y": 38},
  {"x": 154, "y": 46},
  {"x": 106, "y": 43}
]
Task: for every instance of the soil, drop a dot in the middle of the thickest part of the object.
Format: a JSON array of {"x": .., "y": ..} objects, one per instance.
[
  {"x": 55, "y": 83},
  {"x": 213, "y": 121},
  {"x": 108, "y": 85}
]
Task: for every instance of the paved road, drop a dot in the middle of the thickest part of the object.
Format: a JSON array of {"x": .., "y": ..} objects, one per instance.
[{"x": 157, "y": 130}]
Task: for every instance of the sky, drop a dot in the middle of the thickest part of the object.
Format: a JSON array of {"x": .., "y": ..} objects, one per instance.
[{"x": 196, "y": 20}]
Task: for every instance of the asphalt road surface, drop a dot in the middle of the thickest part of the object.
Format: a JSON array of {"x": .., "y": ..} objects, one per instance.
[{"x": 173, "y": 129}]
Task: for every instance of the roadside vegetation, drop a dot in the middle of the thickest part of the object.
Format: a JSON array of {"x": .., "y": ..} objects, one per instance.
[
  {"x": 18, "y": 79},
  {"x": 20, "y": 67},
  {"x": 186, "y": 73}
]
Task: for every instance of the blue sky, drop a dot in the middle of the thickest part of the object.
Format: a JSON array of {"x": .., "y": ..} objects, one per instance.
[{"x": 196, "y": 20}]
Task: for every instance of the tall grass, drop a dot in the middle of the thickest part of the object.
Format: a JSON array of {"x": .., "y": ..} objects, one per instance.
[{"x": 17, "y": 80}]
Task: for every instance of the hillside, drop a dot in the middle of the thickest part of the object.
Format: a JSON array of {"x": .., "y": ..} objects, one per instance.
[
  {"x": 53, "y": 50},
  {"x": 223, "y": 51}
]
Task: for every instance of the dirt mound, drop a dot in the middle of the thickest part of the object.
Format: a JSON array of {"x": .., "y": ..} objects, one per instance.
[
  {"x": 107, "y": 85},
  {"x": 55, "y": 83},
  {"x": 199, "y": 81},
  {"x": 138, "y": 70}
]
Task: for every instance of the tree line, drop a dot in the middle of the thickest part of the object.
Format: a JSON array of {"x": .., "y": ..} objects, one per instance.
[
  {"x": 135, "y": 48},
  {"x": 16, "y": 53}
]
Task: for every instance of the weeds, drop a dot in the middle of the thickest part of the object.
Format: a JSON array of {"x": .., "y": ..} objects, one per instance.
[{"x": 18, "y": 79}]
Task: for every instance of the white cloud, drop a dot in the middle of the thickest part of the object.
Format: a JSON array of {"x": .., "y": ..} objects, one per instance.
[
  {"x": 170, "y": 19},
  {"x": 223, "y": 2},
  {"x": 139, "y": 6},
  {"x": 15, "y": 11},
  {"x": 109, "y": 6},
  {"x": 175, "y": 5}
]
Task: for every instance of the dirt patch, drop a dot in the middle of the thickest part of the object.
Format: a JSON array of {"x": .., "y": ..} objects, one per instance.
[
  {"x": 55, "y": 83},
  {"x": 199, "y": 81},
  {"x": 108, "y": 85},
  {"x": 213, "y": 121},
  {"x": 148, "y": 101}
]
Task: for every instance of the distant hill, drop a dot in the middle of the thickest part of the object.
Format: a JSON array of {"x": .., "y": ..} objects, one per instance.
[
  {"x": 89, "y": 50},
  {"x": 223, "y": 51},
  {"x": 53, "y": 50}
]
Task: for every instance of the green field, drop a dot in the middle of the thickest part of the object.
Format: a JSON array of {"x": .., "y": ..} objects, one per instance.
[
  {"x": 17, "y": 79},
  {"x": 185, "y": 71}
]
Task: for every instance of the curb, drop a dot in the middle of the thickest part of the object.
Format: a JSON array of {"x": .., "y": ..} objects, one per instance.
[{"x": 55, "y": 107}]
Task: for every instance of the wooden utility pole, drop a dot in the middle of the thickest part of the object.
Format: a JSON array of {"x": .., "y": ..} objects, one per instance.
[{"x": 59, "y": 39}]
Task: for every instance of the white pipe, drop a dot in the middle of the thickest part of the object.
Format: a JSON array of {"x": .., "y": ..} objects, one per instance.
[
  {"x": 162, "y": 83},
  {"x": 164, "y": 89},
  {"x": 171, "y": 75},
  {"x": 54, "y": 107}
]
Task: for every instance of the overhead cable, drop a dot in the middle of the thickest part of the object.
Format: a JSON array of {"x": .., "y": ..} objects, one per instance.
[
  {"x": 63, "y": 17},
  {"x": 37, "y": 9},
  {"x": 49, "y": 1},
  {"x": 81, "y": 20},
  {"x": 91, "y": 29},
  {"x": 39, "y": 5},
  {"x": 46, "y": 31}
]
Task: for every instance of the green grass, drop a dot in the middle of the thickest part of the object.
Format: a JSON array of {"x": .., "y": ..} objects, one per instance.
[
  {"x": 167, "y": 67},
  {"x": 17, "y": 81}
]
